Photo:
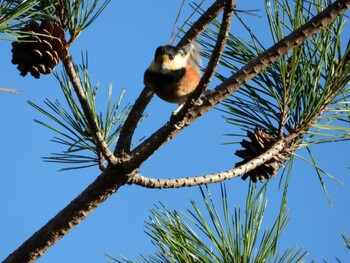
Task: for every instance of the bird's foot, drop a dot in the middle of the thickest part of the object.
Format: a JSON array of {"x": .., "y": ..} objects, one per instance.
[
  {"x": 179, "y": 125},
  {"x": 198, "y": 102},
  {"x": 177, "y": 109}
]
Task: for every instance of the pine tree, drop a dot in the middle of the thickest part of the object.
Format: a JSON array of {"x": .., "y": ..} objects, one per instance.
[{"x": 289, "y": 96}]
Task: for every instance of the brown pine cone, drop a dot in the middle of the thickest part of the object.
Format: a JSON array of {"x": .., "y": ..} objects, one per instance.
[
  {"x": 39, "y": 48},
  {"x": 260, "y": 142}
]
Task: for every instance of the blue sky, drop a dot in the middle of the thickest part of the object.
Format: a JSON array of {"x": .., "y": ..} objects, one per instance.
[{"x": 120, "y": 45}]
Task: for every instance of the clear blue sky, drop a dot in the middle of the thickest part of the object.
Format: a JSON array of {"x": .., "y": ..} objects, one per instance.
[{"x": 121, "y": 44}]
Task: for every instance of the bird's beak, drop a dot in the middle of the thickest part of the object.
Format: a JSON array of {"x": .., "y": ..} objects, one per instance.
[
  {"x": 163, "y": 61},
  {"x": 162, "y": 66}
]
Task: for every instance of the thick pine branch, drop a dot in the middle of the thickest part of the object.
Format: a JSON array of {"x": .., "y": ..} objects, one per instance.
[
  {"x": 104, "y": 186},
  {"x": 120, "y": 173}
]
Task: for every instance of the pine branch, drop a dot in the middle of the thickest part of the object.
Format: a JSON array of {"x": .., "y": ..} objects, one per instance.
[
  {"x": 205, "y": 19},
  {"x": 213, "y": 61},
  {"x": 212, "y": 178},
  {"x": 104, "y": 186},
  {"x": 135, "y": 115},
  {"x": 94, "y": 129}
]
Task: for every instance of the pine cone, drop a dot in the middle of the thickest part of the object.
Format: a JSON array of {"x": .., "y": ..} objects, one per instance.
[
  {"x": 39, "y": 48},
  {"x": 260, "y": 142}
]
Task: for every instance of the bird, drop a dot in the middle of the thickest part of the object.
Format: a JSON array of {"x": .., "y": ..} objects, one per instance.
[{"x": 174, "y": 73}]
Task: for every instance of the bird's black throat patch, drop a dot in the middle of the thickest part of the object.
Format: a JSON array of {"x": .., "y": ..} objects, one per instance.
[{"x": 160, "y": 79}]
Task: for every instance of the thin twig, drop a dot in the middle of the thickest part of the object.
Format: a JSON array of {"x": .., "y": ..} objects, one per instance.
[
  {"x": 213, "y": 61},
  {"x": 210, "y": 178},
  {"x": 14, "y": 91},
  {"x": 186, "y": 21},
  {"x": 171, "y": 41},
  {"x": 283, "y": 106},
  {"x": 128, "y": 129},
  {"x": 204, "y": 20},
  {"x": 94, "y": 129}
]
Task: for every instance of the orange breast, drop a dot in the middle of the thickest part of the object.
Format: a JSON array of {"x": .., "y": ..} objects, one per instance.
[{"x": 173, "y": 89}]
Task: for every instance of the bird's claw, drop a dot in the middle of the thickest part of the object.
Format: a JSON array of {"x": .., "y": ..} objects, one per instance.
[
  {"x": 179, "y": 125},
  {"x": 177, "y": 109},
  {"x": 198, "y": 102}
]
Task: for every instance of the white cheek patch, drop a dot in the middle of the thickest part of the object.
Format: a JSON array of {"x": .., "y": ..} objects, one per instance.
[
  {"x": 179, "y": 61},
  {"x": 176, "y": 63}
]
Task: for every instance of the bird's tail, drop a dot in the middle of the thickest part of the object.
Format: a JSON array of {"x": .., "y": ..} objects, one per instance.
[{"x": 195, "y": 58}]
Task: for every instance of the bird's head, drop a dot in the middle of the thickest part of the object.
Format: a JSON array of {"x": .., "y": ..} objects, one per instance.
[{"x": 169, "y": 58}]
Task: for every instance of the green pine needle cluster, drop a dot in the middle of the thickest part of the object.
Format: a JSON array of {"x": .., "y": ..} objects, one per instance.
[
  {"x": 306, "y": 92},
  {"x": 73, "y": 16},
  {"x": 212, "y": 235},
  {"x": 13, "y": 15},
  {"x": 71, "y": 125},
  {"x": 346, "y": 240}
]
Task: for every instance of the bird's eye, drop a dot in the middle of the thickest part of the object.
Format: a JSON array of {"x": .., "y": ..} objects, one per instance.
[{"x": 181, "y": 52}]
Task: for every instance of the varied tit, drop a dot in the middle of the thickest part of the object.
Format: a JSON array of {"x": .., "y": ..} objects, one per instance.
[{"x": 174, "y": 73}]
